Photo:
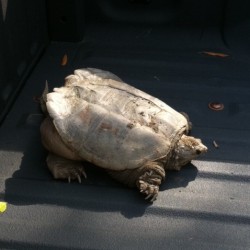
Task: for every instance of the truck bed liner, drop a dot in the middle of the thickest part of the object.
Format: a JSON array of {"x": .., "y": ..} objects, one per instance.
[{"x": 204, "y": 206}]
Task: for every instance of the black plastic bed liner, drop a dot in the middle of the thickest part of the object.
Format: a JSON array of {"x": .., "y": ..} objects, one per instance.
[{"x": 207, "y": 204}]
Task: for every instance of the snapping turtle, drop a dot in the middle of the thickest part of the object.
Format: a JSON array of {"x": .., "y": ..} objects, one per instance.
[{"x": 98, "y": 118}]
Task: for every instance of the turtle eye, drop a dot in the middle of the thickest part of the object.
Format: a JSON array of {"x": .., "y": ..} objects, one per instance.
[{"x": 198, "y": 151}]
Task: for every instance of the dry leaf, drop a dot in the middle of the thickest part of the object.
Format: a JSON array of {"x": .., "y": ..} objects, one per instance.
[
  {"x": 215, "y": 54},
  {"x": 64, "y": 60}
]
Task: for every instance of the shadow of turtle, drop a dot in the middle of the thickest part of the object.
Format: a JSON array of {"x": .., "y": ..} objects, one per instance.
[
  {"x": 177, "y": 179},
  {"x": 32, "y": 182},
  {"x": 98, "y": 193}
]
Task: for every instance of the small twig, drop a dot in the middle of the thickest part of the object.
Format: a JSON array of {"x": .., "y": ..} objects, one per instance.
[
  {"x": 157, "y": 78},
  {"x": 215, "y": 144}
]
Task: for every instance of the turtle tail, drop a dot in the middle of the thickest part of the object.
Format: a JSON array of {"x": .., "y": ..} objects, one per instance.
[{"x": 43, "y": 99}]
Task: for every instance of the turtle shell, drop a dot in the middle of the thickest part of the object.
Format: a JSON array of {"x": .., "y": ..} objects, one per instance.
[{"x": 112, "y": 124}]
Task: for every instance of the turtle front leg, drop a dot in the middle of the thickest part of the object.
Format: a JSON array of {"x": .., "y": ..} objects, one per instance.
[
  {"x": 147, "y": 178},
  {"x": 149, "y": 181},
  {"x": 62, "y": 168}
]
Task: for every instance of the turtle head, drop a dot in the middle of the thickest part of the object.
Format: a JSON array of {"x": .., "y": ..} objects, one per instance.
[{"x": 187, "y": 149}]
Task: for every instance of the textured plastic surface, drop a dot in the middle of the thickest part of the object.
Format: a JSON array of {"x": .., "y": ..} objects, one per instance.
[
  {"x": 66, "y": 20},
  {"x": 205, "y": 206},
  {"x": 23, "y": 36}
]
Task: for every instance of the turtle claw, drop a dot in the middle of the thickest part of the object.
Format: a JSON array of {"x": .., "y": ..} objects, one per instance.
[
  {"x": 84, "y": 173},
  {"x": 79, "y": 178},
  {"x": 69, "y": 173},
  {"x": 148, "y": 184},
  {"x": 72, "y": 173},
  {"x": 65, "y": 169},
  {"x": 148, "y": 189},
  {"x": 153, "y": 197}
]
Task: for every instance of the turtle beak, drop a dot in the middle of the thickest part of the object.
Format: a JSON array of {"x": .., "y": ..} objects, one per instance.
[{"x": 201, "y": 149}]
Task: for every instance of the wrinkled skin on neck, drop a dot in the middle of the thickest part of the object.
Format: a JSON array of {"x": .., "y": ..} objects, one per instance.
[{"x": 186, "y": 149}]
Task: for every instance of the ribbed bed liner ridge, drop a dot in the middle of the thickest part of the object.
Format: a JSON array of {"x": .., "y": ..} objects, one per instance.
[{"x": 204, "y": 206}]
